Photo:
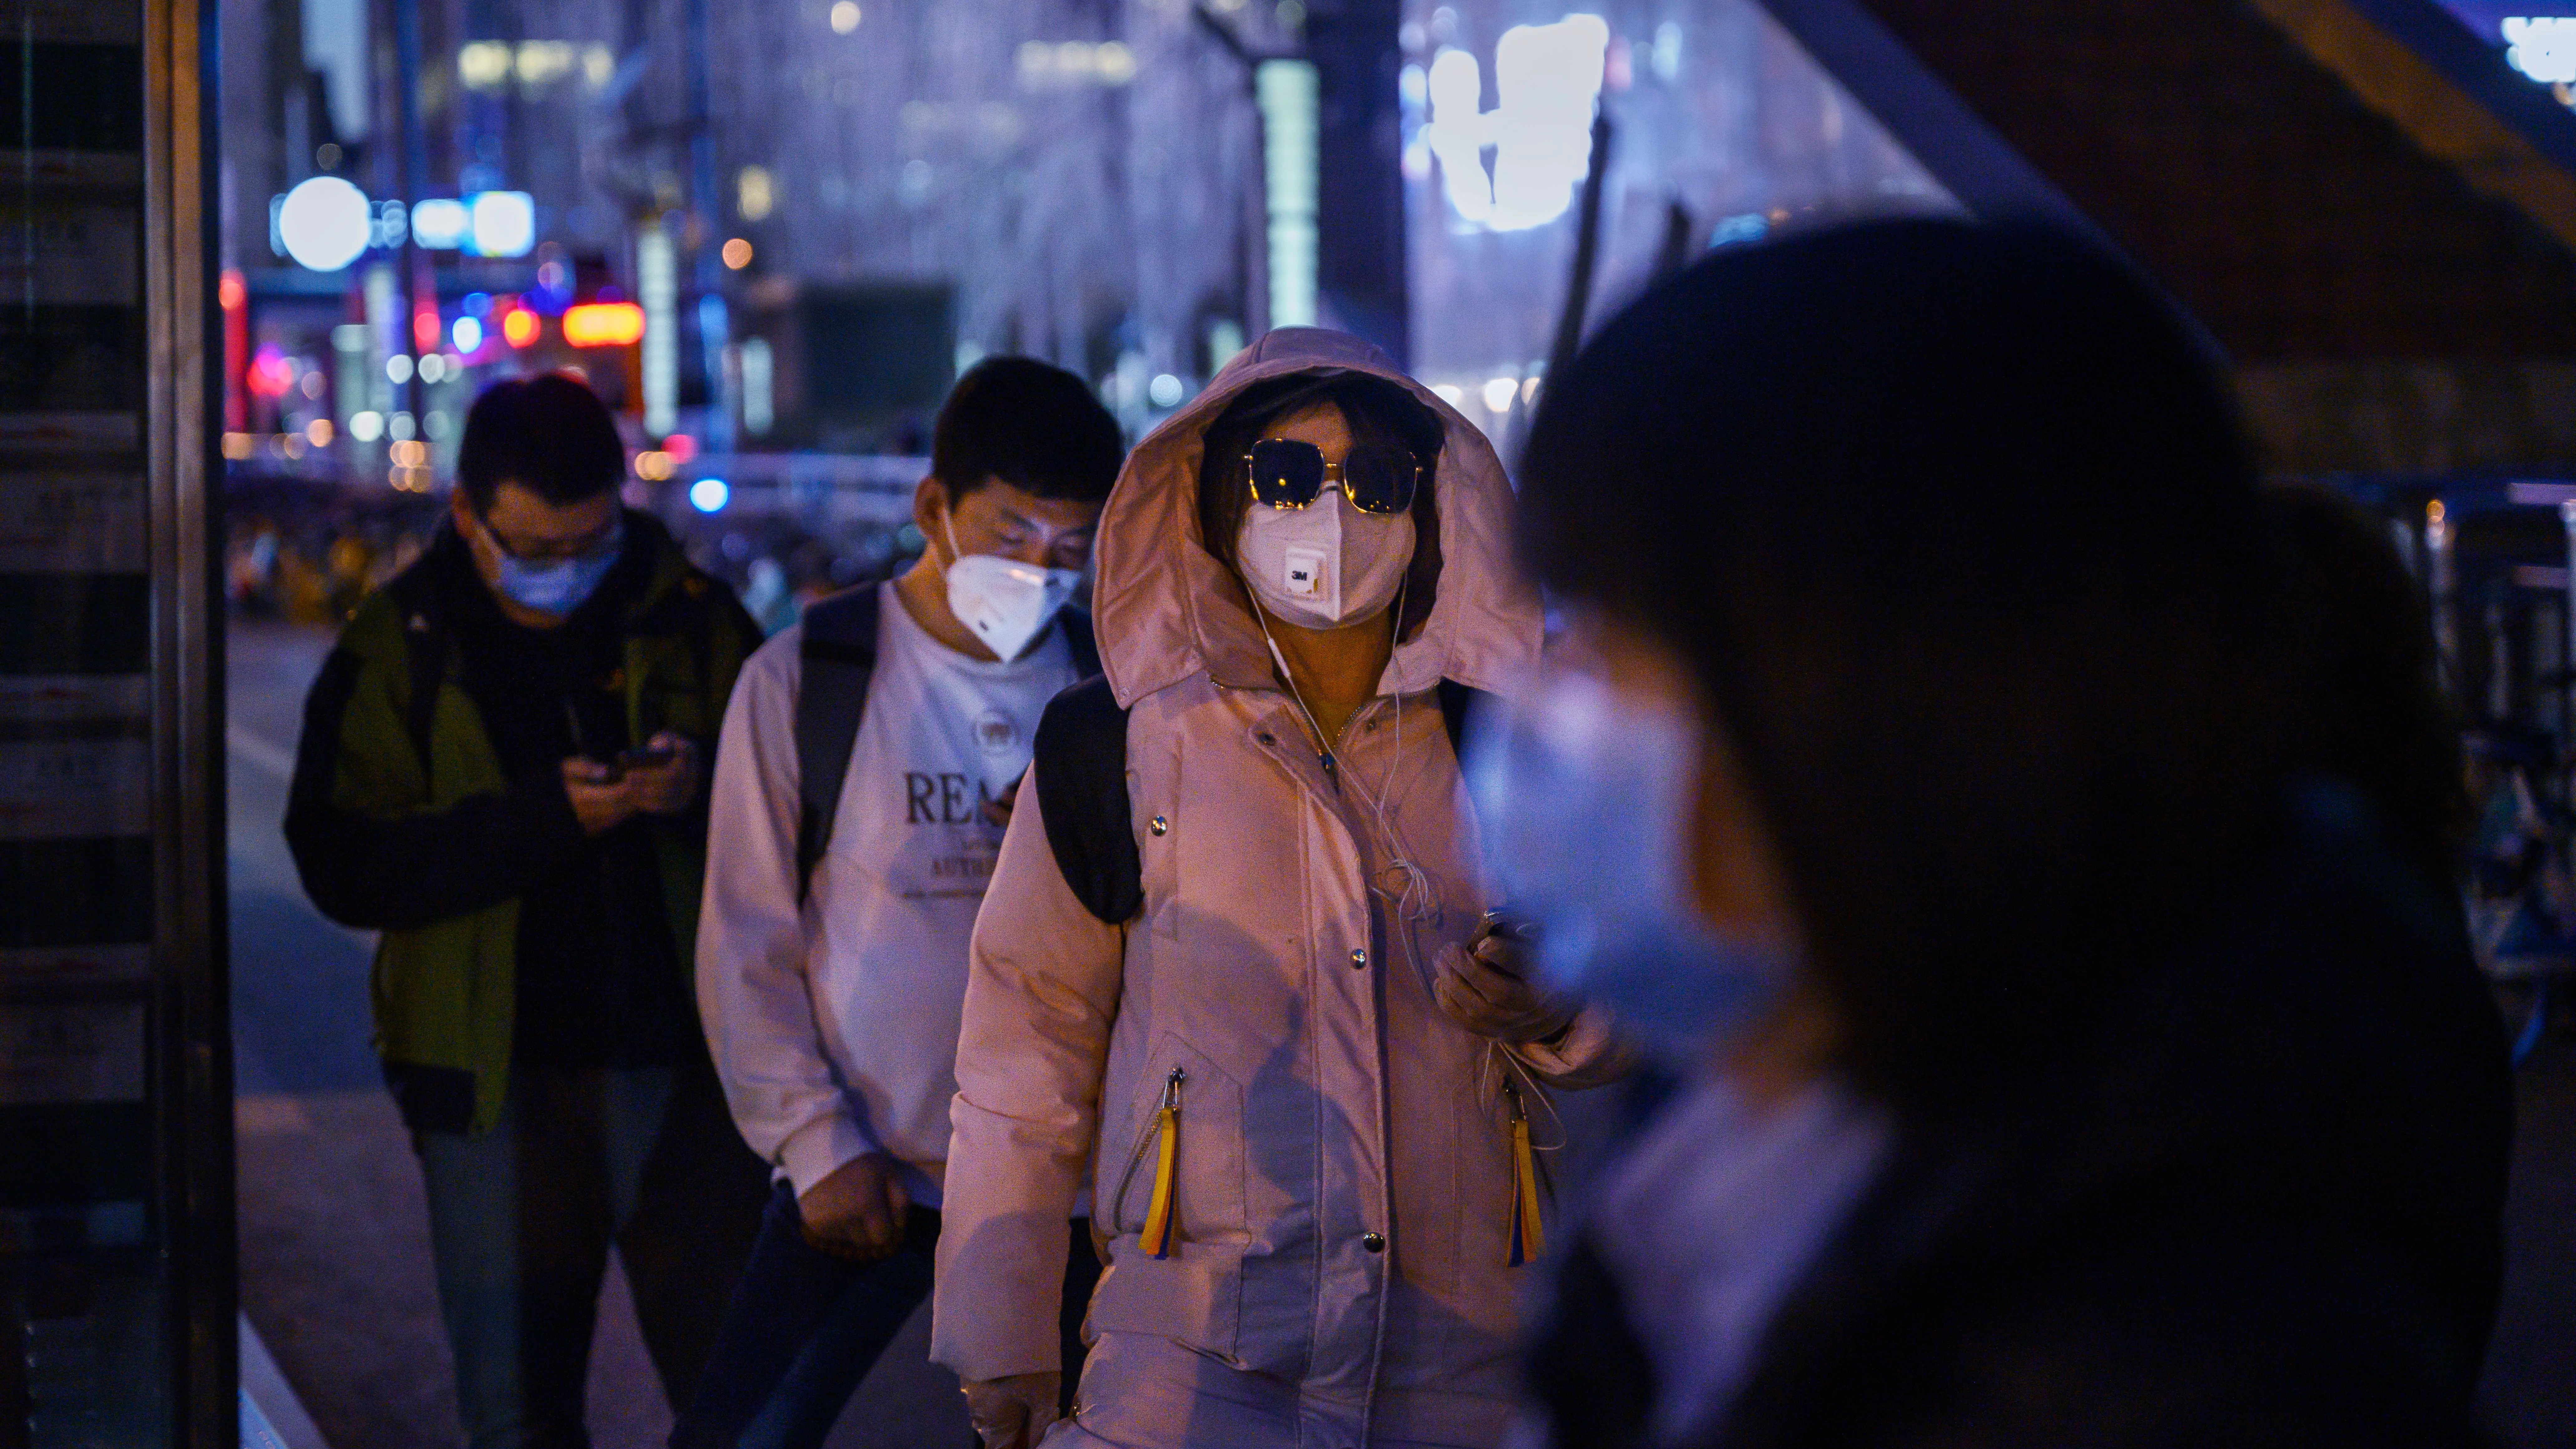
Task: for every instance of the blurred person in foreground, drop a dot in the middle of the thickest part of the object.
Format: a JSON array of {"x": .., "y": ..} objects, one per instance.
[
  {"x": 832, "y": 949},
  {"x": 2356, "y": 653},
  {"x": 501, "y": 771},
  {"x": 2067, "y": 1058},
  {"x": 1230, "y": 968}
]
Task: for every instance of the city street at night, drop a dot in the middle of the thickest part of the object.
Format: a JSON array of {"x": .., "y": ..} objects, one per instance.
[{"x": 1287, "y": 724}]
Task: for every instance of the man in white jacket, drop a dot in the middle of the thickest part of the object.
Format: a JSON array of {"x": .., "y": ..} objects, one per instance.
[{"x": 868, "y": 764}]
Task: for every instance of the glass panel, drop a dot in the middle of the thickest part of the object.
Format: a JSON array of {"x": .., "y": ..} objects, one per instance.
[{"x": 1714, "y": 107}]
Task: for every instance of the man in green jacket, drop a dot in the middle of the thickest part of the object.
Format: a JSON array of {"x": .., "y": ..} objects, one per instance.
[{"x": 503, "y": 772}]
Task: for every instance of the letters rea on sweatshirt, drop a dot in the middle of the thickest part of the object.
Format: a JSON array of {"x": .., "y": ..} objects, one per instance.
[{"x": 945, "y": 798}]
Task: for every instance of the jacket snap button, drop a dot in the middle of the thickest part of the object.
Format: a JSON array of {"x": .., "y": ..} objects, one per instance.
[
  {"x": 1359, "y": 959},
  {"x": 1158, "y": 825},
  {"x": 1374, "y": 1242}
]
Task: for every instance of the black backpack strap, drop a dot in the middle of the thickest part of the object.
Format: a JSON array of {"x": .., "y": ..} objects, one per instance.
[
  {"x": 1081, "y": 764},
  {"x": 1455, "y": 701},
  {"x": 836, "y": 657},
  {"x": 425, "y": 654},
  {"x": 1079, "y": 638}
]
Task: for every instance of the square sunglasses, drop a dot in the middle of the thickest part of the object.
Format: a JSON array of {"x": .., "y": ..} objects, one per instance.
[{"x": 1287, "y": 473}]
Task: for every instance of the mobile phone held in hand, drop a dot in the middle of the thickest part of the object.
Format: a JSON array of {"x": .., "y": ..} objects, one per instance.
[
  {"x": 1504, "y": 923},
  {"x": 646, "y": 758}
]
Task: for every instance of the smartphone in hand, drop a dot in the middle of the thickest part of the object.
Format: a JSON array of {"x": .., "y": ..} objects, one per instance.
[
  {"x": 646, "y": 757},
  {"x": 1504, "y": 923}
]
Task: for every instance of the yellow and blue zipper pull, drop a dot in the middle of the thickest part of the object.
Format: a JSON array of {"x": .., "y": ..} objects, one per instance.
[
  {"x": 1157, "y": 1236},
  {"x": 1529, "y": 1240}
]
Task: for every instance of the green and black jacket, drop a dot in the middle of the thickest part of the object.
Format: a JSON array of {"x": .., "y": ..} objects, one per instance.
[{"x": 402, "y": 821}]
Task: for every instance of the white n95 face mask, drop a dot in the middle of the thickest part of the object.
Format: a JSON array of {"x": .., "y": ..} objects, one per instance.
[
  {"x": 1325, "y": 565},
  {"x": 1004, "y": 602},
  {"x": 1584, "y": 798}
]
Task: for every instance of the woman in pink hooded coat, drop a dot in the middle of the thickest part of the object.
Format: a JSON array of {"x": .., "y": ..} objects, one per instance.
[{"x": 1303, "y": 1080}]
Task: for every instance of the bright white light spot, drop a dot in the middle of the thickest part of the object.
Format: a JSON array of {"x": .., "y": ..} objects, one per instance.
[
  {"x": 505, "y": 223},
  {"x": 366, "y": 427},
  {"x": 753, "y": 193},
  {"x": 1164, "y": 391},
  {"x": 440, "y": 223},
  {"x": 1075, "y": 62},
  {"x": 400, "y": 425},
  {"x": 484, "y": 64},
  {"x": 1668, "y": 51},
  {"x": 598, "y": 66},
  {"x": 398, "y": 368},
  {"x": 1456, "y": 133},
  {"x": 541, "y": 61},
  {"x": 325, "y": 223},
  {"x": 845, "y": 17},
  {"x": 1498, "y": 393},
  {"x": 710, "y": 495},
  {"x": 1547, "y": 79},
  {"x": 2542, "y": 47},
  {"x": 468, "y": 334},
  {"x": 1449, "y": 392},
  {"x": 1413, "y": 85},
  {"x": 432, "y": 367},
  {"x": 1529, "y": 392}
]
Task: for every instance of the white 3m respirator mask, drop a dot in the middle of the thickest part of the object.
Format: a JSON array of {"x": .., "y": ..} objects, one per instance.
[
  {"x": 1005, "y": 602},
  {"x": 1325, "y": 565}
]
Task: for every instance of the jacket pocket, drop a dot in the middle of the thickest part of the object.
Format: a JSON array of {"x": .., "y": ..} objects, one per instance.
[
  {"x": 1188, "y": 1285},
  {"x": 1194, "y": 1297},
  {"x": 1200, "y": 1179}
]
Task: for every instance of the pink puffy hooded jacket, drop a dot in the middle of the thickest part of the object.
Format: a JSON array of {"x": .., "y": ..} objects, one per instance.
[{"x": 1343, "y": 1184}]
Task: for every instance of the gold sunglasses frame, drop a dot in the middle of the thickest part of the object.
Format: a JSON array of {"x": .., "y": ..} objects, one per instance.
[{"x": 1333, "y": 478}]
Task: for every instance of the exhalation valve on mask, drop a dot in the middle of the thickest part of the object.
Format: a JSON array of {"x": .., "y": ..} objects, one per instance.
[
  {"x": 1325, "y": 565},
  {"x": 1004, "y": 602},
  {"x": 1583, "y": 799}
]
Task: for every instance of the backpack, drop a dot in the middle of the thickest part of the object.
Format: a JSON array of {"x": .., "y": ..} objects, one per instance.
[
  {"x": 838, "y": 654},
  {"x": 1081, "y": 758}
]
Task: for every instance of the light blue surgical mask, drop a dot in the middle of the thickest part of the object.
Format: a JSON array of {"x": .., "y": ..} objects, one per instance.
[
  {"x": 1584, "y": 801},
  {"x": 558, "y": 585}
]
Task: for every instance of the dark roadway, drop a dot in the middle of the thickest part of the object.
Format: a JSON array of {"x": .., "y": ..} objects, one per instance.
[{"x": 334, "y": 1241}]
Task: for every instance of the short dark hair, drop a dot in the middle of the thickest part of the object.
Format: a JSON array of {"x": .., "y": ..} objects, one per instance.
[
  {"x": 1955, "y": 527},
  {"x": 550, "y": 434},
  {"x": 1029, "y": 424},
  {"x": 1380, "y": 415}
]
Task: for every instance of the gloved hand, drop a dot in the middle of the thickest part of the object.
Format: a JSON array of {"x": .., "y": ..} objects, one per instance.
[
  {"x": 1013, "y": 1412},
  {"x": 1485, "y": 988}
]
